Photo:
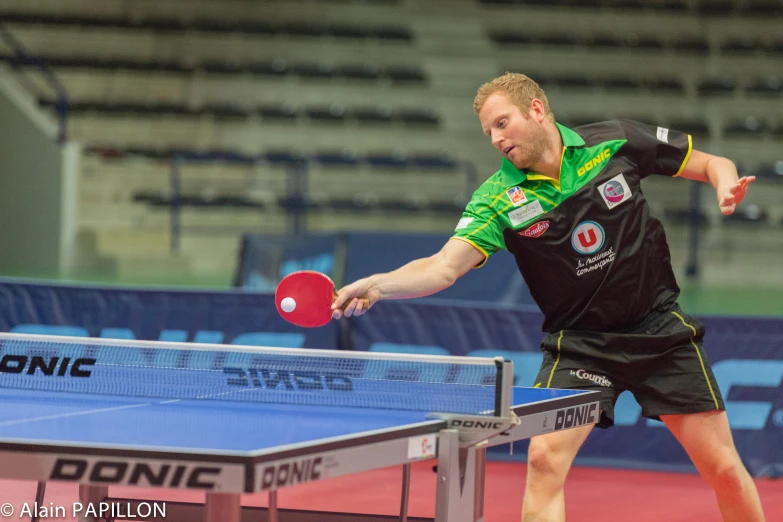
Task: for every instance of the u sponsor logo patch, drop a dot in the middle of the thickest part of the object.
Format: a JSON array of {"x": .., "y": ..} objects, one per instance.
[{"x": 588, "y": 237}]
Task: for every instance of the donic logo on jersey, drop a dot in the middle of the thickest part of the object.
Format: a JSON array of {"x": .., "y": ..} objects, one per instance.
[
  {"x": 594, "y": 162},
  {"x": 587, "y": 237}
]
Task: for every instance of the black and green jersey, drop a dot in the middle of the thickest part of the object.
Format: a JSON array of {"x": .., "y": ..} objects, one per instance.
[{"x": 589, "y": 250}]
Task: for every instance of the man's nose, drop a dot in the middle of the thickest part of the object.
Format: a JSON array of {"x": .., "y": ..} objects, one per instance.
[{"x": 497, "y": 139}]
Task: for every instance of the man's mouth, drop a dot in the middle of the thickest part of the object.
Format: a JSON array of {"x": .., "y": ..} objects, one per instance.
[{"x": 508, "y": 149}]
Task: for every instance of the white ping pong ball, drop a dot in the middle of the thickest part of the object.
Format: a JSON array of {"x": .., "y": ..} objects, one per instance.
[{"x": 288, "y": 304}]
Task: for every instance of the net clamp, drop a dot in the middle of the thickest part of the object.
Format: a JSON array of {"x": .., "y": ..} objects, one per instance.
[{"x": 474, "y": 429}]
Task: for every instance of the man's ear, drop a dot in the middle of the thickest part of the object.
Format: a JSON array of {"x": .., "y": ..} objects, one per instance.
[{"x": 537, "y": 110}]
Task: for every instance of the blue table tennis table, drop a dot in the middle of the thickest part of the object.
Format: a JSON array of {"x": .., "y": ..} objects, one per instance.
[{"x": 228, "y": 420}]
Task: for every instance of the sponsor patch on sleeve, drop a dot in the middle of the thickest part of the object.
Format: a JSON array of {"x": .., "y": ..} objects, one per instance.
[
  {"x": 464, "y": 222},
  {"x": 663, "y": 135}
]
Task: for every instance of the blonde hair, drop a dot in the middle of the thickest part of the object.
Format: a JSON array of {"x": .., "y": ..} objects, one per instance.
[{"x": 520, "y": 89}]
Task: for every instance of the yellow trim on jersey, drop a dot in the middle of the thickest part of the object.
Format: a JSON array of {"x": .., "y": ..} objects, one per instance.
[
  {"x": 542, "y": 198},
  {"x": 474, "y": 245},
  {"x": 560, "y": 173},
  {"x": 536, "y": 177},
  {"x": 703, "y": 368},
  {"x": 490, "y": 219},
  {"x": 496, "y": 199},
  {"x": 687, "y": 156},
  {"x": 541, "y": 177},
  {"x": 552, "y": 373}
]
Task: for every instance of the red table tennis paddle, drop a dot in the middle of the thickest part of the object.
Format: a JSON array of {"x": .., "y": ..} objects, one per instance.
[{"x": 305, "y": 298}]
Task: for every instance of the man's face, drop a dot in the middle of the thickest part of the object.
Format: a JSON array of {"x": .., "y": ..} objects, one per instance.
[{"x": 519, "y": 138}]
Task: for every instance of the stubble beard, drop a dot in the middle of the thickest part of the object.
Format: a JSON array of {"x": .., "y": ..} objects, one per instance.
[{"x": 533, "y": 150}]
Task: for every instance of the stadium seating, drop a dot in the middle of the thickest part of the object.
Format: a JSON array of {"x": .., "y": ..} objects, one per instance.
[{"x": 373, "y": 98}]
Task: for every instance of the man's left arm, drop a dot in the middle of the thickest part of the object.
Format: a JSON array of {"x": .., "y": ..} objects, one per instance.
[{"x": 721, "y": 173}]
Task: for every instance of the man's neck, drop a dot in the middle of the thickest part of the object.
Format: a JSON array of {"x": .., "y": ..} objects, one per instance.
[{"x": 549, "y": 163}]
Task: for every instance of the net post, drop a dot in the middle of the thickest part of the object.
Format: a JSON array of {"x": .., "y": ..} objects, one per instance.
[{"x": 504, "y": 381}]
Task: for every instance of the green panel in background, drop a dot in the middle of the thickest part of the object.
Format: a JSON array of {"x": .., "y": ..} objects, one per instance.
[
  {"x": 183, "y": 281},
  {"x": 698, "y": 300}
]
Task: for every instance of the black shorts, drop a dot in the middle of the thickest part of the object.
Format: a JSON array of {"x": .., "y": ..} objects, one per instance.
[{"x": 660, "y": 361}]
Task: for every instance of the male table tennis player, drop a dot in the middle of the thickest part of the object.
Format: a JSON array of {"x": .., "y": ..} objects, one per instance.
[{"x": 567, "y": 204}]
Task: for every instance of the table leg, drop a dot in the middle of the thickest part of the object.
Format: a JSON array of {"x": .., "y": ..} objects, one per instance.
[
  {"x": 40, "y": 493},
  {"x": 272, "y": 514},
  {"x": 456, "y": 489},
  {"x": 481, "y": 468},
  {"x": 406, "y": 488},
  {"x": 222, "y": 507},
  {"x": 91, "y": 497}
]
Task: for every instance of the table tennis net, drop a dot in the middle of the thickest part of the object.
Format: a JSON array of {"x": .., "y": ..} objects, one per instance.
[{"x": 264, "y": 375}]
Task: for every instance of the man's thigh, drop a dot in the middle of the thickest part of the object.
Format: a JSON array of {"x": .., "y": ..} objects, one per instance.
[{"x": 706, "y": 437}]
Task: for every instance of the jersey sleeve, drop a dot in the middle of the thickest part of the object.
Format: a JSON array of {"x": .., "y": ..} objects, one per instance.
[
  {"x": 480, "y": 228},
  {"x": 657, "y": 150}
]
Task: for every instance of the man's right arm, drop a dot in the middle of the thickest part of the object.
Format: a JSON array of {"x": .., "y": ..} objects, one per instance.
[{"x": 418, "y": 278}]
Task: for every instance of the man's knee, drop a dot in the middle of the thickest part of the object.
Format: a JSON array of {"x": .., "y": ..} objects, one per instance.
[
  {"x": 726, "y": 475},
  {"x": 544, "y": 460}
]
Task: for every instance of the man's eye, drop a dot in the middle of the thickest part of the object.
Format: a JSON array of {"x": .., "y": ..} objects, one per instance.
[{"x": 501, "y": 124}]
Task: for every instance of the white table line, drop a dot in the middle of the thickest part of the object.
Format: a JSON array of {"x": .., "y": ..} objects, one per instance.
[{"x": 72, "y": 414}]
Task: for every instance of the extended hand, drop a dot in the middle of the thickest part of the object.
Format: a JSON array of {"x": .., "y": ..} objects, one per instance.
[
  {"x": 733, "y": 195},
  {"x": 355, "y": 299}
]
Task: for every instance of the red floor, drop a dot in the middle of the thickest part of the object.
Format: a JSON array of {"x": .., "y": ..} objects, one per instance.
[{"x": 591, "y": 494}]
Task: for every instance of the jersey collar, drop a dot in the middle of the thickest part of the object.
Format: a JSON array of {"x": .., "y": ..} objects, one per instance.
[
  {"x": 570, "y": 138},
  {"x": 516, "y": 176}
]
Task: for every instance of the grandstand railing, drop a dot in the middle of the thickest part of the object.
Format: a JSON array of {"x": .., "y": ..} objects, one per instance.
[
  {"x": 22, "y": 56},
  {"x": 296, "y": 202}
]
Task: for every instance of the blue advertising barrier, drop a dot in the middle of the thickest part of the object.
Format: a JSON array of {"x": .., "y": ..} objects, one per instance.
[
  {"x": 497, "y": 282},
  {"x": 153, "y": 315},
  {"x": 265, "y": 259},
  {"x": 746, "y": 353}
]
